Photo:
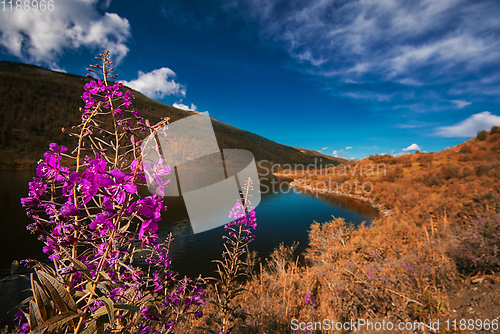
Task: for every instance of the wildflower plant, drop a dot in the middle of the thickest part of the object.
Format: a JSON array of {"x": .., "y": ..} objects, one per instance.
[
  {"x": 94, "y": 222},
  {"x": 235, "y": 263}
]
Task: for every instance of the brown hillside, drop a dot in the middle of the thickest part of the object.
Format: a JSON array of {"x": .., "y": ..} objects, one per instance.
[{"x": 36, "y": 103}]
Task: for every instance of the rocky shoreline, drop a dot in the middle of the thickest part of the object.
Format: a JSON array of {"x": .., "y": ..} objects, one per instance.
[{"x": 299, "y": 183}]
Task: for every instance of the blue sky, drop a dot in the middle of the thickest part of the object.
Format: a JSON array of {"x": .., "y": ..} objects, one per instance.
[{"x": 347, "y": 78}]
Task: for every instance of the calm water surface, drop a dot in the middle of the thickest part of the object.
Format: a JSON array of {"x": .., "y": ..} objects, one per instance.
[{"x": 282, "y": 217}]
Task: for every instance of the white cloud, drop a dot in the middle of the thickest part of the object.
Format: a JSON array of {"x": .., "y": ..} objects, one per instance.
[
  {"x": 461, "y": 103},
  {"x": 348, "y": 148},
  {"x": 470, "y": 126},
  {"x": 41, "y": 38},
  {"x": 157, "y": 83},
  {"x": 412, "y": 147},
  {"x": 413, "y": 124},
  {"x": 342, "y": 153},
  {"x": 411, "y": 43},
  {"x": 182, "y": 106}
]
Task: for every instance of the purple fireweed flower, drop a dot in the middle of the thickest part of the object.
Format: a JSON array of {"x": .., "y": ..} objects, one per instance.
[
  {"x": 74, "y": 178},
  {"x": 68, "y": 209},
  {"x": 144, "y": 330},
  {"x": 116, "y": 293},
  {"x": 116, "y": 188},
  {"x": 156, "y": 281},
  {"x": 150, "y": 239},
  {"x": 51, "y": 247},
  {"x": 173, "y": 299},
  {"x": 89, "y": 187},
  {"x": 149, "y": 315},
  {"x": 116, "y": 88},
  {"x": 310, "y": 300},
  {"x": 137, "y": 169},
  {"x": 126, "y": 99},
  {"x": 198, "y": 314},
  {"x": 94, "y": 87},
  {"x": 28, "y": 202},
  {"x": 155, "y": 176},
  {"x": 137, "y": 114},
  {"x": 149, "y": 206},
  {"x": 25, "y": 328},
  {"x": 149, "y": 226},
  {"x": 51, "y": 168},
  {"x": 57, "y": 149},
  {"x": 102, "y": 223},
  {"x": 36, "y": 188},
  {"x": 118, "y": 113},
  {"x": 19, "y": 316},
  {"x": 88, "y": 99},
  {"x": 76, "y": 279},
  {"x": 237, "y": 212},
  {"x": 97, "y": 304}
]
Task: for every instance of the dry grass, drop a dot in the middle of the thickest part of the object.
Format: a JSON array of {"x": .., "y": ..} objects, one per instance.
[{"x": 401, "y": 268}]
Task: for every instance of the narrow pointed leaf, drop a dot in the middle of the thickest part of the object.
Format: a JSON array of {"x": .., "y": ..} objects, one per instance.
[
  {"x": 14, "y": 267},
  {"x": 110, "y": 307},
  {"x": 127, "y": 307},
  {"x": 37, "y": 294},
  {"x": 91, "y": 328},
  {"x": 55, "y": 322},
  {"x": 61, "y": 297},
  {"x": 35, "y": 317}
]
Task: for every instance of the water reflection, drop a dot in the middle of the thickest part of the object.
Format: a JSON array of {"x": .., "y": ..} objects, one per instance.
[{"x": 284, "y": 216}]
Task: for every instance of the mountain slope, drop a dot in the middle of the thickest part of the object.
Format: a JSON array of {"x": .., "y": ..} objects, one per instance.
[{"x": 36, "y": 103}]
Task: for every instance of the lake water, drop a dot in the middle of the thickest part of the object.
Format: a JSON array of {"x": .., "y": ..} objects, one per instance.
[{"x": 285, "y": 216}]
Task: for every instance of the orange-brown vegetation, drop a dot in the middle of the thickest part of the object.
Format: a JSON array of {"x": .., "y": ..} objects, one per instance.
[{"x": 405, "y": 267}]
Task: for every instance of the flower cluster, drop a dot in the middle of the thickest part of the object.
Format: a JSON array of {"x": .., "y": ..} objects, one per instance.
[
  {"x": 93, "y": 221},
  {"x": 310, "y": 300},
  {"x": 229, "y": 314}
]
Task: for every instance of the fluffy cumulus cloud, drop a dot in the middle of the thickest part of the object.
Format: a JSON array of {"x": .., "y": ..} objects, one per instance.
[
  {"x": 412, "y": 147},
  {"x": 157, "y": 83},
  {"x": 41, "y": 37},
  {"x": 470, "y": 126},
  {"x": 183, "y": 106}
]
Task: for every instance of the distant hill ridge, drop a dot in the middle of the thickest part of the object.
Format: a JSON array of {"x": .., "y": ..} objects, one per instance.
[{"x": 36, "y": 103}]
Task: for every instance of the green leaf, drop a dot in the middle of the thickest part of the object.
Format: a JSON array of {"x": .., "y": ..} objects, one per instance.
[
  {"x": 55, "y": 322},
  {"x": 14, "y": 267}
]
